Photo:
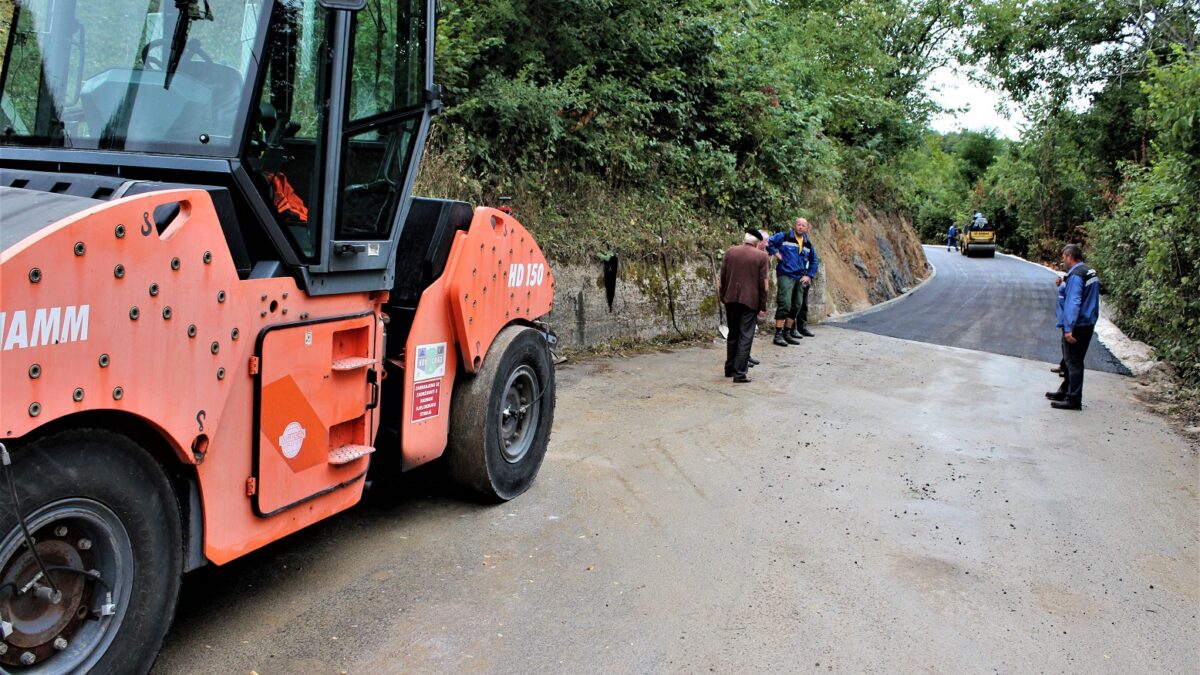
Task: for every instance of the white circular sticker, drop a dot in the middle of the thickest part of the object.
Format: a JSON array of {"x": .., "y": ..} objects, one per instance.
[{"x": 292, "y": 439}]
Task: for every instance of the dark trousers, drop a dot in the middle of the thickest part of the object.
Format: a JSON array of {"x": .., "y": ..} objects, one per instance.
[
  {"x": 742, "y": 322},
  {"x": 1072, "y": 384},
  {"x": 802, "y": 313}
]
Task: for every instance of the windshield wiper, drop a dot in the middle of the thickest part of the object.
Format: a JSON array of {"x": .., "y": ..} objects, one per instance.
[{"x": 188, "y": 10}]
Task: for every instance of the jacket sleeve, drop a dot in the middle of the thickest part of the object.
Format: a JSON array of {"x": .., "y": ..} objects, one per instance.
[
  {"x": 723, "y": 284},
  {"x": 765, "y": 272},
  {"x": 774, "y": 242},
  {"x": 816, "y": 263},
  {"x": 1072, "y": 302},
  {"x": 1058, "y": 304}
]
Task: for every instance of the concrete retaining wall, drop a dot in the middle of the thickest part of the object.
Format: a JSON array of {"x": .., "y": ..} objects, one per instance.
[{"x": 868, "y": 260}]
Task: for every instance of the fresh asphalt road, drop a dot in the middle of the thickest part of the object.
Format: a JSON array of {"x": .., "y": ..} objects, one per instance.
[{"x": 1000, "y": 305}]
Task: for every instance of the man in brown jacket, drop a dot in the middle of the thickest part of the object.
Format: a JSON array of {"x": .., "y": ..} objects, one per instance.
[{"x": 744, "y": 291}]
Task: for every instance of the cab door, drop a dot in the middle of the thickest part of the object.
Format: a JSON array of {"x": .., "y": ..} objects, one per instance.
[{"x": 380, "y": 109}]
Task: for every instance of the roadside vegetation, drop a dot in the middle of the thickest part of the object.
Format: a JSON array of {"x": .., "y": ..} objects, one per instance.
[
  {"x": 643, "y": 128},
  {"x": 647, "y": 129},
  {"x": 652, "y": 129}
]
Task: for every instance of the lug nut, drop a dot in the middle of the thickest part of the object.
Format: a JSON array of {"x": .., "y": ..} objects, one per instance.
[
  {"x": 28, "y": 659},
  {"x": 60, "y": 643},
  {"x": 84, "y": 545},
  {"x": 60, "y": 531}
]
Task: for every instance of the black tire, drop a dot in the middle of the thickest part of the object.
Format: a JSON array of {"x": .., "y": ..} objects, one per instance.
[
  {"x": 477, "y": 457},
  {"x": 98, "y": 486}
]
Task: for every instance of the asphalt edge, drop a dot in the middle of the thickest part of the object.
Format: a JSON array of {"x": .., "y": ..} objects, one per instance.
[
  {"x": 1137, "y": 356},
  {"x": 835, "y": 319}
]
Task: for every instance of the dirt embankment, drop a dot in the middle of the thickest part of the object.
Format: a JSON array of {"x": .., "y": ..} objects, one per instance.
[
  {"x": 866, "y": 260},
  {"x": 870, "y": 259}
]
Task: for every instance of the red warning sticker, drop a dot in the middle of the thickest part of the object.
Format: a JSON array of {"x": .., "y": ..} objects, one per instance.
[{"x": 427, "y": 399}]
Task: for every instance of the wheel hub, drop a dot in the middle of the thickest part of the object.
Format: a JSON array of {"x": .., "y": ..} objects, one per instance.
[
  {"x": 70, "y": 629},
  {"x": 37, "y": 621},
  {"x": 520, "y": 409}
]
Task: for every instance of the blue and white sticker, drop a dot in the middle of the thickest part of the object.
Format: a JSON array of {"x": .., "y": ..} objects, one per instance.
[{"x": 430, "y": 362}]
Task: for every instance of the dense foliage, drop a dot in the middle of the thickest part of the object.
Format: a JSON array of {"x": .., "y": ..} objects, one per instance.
[
  {"x": 645, "y": 128},
  {"x": 630, "y": 125}
]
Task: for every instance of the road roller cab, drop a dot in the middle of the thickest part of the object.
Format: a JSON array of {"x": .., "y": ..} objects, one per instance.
[{"x": 220, "y": 305}]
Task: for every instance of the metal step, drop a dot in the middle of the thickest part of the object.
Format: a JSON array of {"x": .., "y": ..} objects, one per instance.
[
  {"x": 352, "y": 363},
  {"x": 348, "y": 453}
]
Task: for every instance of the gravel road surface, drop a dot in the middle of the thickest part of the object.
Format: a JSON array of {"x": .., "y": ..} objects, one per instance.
[
  {"x": 1000, "y": 305},
  {"x": 867, "y": 504}
]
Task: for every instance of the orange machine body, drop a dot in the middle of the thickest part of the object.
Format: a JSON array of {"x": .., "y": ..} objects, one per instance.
[{"x": 270, "y": 396}]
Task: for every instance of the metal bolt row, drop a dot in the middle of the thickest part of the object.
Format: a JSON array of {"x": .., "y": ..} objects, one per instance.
[{"x": 35, "y": 273}]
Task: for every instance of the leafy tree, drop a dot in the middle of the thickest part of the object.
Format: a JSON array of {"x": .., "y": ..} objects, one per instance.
[
  {"x": 1047, "y": 52},
  {"x": 745, "y": 112},
  {"x": 936, "y": 189},
  {"x": 976, "y": 150}
]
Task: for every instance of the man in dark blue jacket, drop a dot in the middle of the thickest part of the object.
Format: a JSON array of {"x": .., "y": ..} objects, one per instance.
[
  {"x": 794, "y": 276},
  {"x": 1080, "y": 311},
  {"x": 952, "y": 238}
]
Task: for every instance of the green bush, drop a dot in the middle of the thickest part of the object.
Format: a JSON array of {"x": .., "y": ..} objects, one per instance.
[
  {"x": 1147, "y": 249},
  {"x": 622, "y": 124}
]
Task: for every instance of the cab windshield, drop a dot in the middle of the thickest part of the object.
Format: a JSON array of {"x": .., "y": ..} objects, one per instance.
[{"x": 139, "y": 75}]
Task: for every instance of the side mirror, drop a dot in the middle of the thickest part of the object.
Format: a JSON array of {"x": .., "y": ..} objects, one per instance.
[{"x": 350, "y": 5}]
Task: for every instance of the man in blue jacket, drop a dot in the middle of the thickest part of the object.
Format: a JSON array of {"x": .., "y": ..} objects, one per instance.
[
  {"x": 952, "y": 238},
  {"x": 794, "y": 275},
  {"x": 1080, "y": 311}
]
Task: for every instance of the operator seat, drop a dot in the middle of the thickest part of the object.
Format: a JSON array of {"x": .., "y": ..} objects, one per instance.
[
  {"x": 226, "y": 84},
  {"x": 421, "y": 256}
]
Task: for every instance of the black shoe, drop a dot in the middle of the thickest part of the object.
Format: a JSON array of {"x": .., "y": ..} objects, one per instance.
[
  {"x": 806, "y": 332},
  {"x": 794, "y": 334},
  {"x": 1056, "y": 395},
  {"x": 753, "y": 362},
  {"x": 728, "y": 374},
  {"x": 1057, "y": 405},
  {"x": 779, "y": 339},
  {"x": 741, "y": 379},
  {"x": 790, "y": 340},
  {"x": 1059, "y": 370}
]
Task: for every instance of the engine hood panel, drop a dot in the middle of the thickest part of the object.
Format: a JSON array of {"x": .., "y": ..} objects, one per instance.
[{"x": 24, "y": 212}]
